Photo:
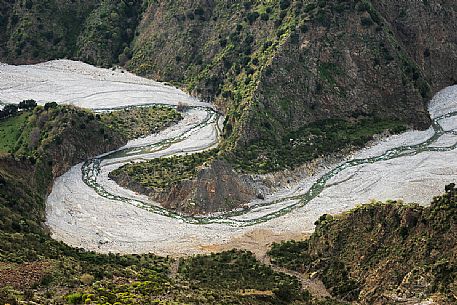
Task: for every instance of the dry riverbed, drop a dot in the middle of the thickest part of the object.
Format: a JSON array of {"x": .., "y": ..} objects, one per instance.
[{"x": 78, "y": 215}]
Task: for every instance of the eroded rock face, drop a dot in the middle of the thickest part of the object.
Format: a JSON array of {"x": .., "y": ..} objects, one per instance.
[{"x": 216, "y": 188}]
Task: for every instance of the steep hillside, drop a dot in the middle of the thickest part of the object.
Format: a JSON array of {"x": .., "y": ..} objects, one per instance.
[
  {"x": 39, "y": 30},
  {"x": 276, "y": 68},
  {"x": 47, "y": 143},
  {"x": 382, "y": 253},
  {"x": 96, "y": 31},
  {"x": 426, "y": 30}
]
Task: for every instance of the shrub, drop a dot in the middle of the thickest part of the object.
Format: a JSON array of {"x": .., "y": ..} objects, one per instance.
[
  {"x": 75, "y": 298},
  {"x": 252, "y": 17},
  {"x": 86, "y": 279},
  {"x": 284, "y": 4},
  {"x": 199, "y": 11},
  {"x": 366, "y": 22}
]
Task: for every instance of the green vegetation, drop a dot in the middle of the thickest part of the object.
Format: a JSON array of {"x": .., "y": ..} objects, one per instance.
[
  {"x": 48, "y": 126},
  {"x": 108, "y": 32},
  {"x": 34, "y": 267},
  {"x": 31, "y": 132},
  {"x": 350, "y": 252},
  {"x": 98, "y": 32},
  {"x": 236, "y": 270},
  {"x": 10, "y": 130},
  {"x": 291, "y": 255},
  {"x": 137, "y": 122},
  {"x": 310, "y": 142},
  {"x": 161, "y": 173},
  {"x": 222, "y": 270}
]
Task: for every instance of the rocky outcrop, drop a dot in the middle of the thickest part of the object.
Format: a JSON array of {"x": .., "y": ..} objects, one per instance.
[{"x": 216, "y": 188}]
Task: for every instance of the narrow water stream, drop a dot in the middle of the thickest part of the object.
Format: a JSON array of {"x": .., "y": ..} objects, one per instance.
[{"x": 264, "y": 211}]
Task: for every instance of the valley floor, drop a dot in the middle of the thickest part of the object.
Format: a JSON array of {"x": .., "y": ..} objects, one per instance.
[{"x": 86, "y": 209}]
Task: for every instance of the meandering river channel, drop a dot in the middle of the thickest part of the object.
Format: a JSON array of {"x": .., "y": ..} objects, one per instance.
[{"x": 87, "y": 209}]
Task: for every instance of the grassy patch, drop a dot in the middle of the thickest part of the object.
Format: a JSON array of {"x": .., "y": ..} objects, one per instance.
[{"x": 10, "y": 131}]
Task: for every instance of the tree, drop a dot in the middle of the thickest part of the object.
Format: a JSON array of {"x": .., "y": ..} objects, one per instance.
[
  {"x": 50, "y": 105},
  {"x": 27, "y": 104},
  {"x": 10, "y": 110},
  {"x": 450, "y": 188}
]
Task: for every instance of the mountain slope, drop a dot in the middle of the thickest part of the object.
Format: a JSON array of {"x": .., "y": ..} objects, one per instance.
[
  {"x": 274, "y": 67},
  {"x": 383, "y": 253},
  {"x": 98, "y": 32}
]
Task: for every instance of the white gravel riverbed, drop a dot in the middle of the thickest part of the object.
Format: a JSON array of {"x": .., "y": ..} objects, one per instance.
[
  {"x": 80, "y": 217},
  {"x": 77, "y": 83}
]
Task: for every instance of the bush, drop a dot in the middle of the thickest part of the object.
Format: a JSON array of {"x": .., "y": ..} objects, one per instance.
[
  {"x": 284, "y": 4},
  {"x": 199, "y": 11},
  {"x": 252, "y": 17},
  {"x": 86, "y": 279},
  {"x": 8, "y": 110},
  {"x": 366, "y": 22}
]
